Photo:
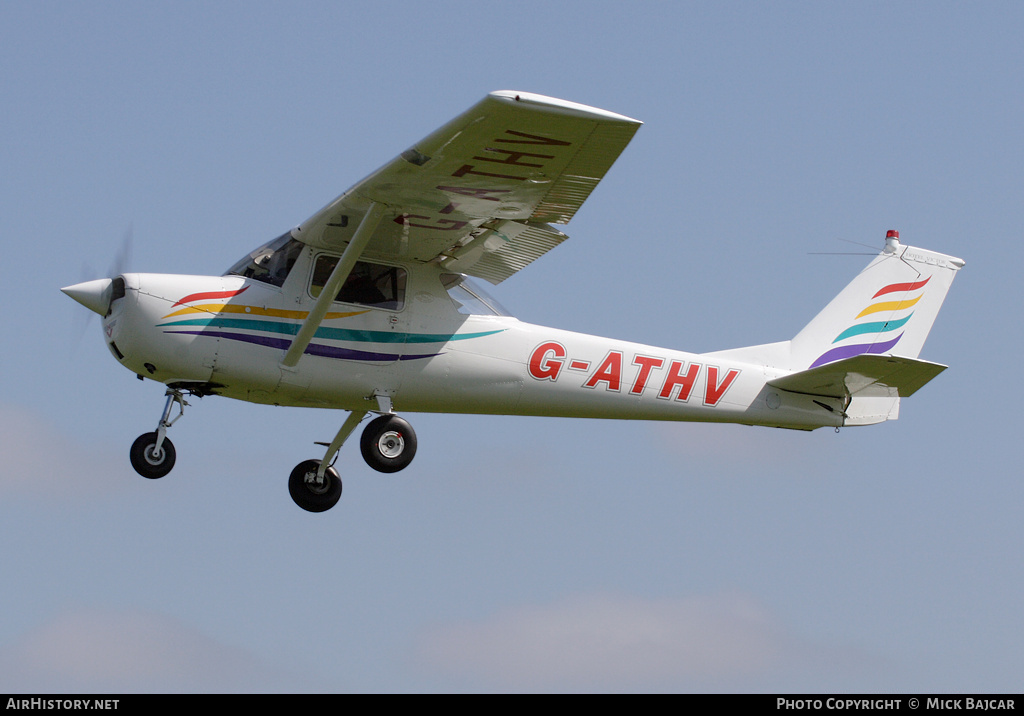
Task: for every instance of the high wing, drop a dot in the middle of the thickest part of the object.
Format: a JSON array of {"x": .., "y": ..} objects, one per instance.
[{"x": 478, "y": 194}]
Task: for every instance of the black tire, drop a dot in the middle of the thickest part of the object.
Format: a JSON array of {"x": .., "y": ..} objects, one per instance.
[
  {"x": 388, "y": 443},
  {"x": 308, "y": 495},
  {"x": 148, "y": 464}
]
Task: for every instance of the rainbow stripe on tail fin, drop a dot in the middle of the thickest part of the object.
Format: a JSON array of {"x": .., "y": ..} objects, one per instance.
[{"x": 888, "y": 309}]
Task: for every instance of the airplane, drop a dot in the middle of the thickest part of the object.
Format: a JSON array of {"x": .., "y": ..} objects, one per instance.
[{"x": 370, "y": 306}]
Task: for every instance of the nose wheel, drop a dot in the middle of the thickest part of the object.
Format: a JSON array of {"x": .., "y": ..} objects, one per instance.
[
  {"x": 148, "y": 459},
  {"x": 152, "y": 454}
]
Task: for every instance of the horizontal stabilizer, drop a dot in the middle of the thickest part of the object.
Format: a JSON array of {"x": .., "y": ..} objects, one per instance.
[{"x": 862, "y": 376}]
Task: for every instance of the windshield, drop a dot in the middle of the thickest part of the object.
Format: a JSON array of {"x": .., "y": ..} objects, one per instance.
[
  {"x": 469, "y": 298},
  {"x": 271, "y": 262}
]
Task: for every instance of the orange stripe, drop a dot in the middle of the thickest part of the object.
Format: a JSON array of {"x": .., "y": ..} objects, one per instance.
[
  {"x": 888, "y": 306},
  {"x": 257, "y": 311}
]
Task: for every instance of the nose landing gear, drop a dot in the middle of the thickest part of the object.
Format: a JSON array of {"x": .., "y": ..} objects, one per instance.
[{"x": 152, "y": 454}]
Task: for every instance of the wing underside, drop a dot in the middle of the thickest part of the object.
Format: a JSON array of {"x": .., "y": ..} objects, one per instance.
[{"x": 479, "y": 194}]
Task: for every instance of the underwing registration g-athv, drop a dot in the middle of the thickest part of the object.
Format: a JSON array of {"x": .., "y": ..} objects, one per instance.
[{"x": 370, "y": 306}]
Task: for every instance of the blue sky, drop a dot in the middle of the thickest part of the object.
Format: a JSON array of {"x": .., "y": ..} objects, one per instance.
[{"x": 518, "y": 553}]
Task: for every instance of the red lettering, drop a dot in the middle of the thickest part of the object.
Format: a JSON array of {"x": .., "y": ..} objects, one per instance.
[
  {"x": 546, "y": 361},
  {"x": 532, "y": 139},
  {"x": 715, "y": 390},
  {"x": 452, "y": 224},
  {"x": 514, "y": 157},
  {"x": 468, "y": 169},
  {"x": 610, "y": 372},
  {"x": 646, "y": 363},
  {"x": 677, "y": 377},
  {"x": 475, "y": 193}
]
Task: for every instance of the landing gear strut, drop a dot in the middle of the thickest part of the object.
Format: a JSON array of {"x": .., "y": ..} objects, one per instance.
[
  {"x": 152, "y": 454},
  {"x": 314, "y": 484}
]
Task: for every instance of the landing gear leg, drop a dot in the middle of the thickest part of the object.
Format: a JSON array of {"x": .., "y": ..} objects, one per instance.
[
  {"x": 152, "y": 454},
  {"x": 314, "y": 484}
]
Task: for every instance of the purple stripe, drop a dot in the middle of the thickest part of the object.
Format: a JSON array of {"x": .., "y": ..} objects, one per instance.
[
  {"x": 315, "y": 349},
  {"x": 851, "y": 351}
]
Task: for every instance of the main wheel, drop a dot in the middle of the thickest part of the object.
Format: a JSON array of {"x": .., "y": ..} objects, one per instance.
[
  {"x": 388, "y": 443},
  {"x": 308, "y": 493},
  {"x": 147, "y": 461}
]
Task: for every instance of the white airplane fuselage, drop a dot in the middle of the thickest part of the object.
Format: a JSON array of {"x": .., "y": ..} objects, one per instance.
[
  {"x": 367, "y": 307},
  {"x": 227, "y": 335}
]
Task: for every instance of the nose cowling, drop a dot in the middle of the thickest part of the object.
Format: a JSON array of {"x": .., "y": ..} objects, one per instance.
[{"x": 94, "y": 295}]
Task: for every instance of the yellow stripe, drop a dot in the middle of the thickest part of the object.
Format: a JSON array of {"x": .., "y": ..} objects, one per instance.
[
  {"x": 888, "y": 306},
  {"x": 256, "y": 311}
]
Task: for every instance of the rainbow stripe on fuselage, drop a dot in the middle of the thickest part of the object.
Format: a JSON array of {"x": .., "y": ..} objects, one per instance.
[{"x": 255, "y": 325}]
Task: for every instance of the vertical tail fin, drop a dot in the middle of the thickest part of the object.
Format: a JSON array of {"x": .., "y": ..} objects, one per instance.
[{"x": 889, "y": 308}]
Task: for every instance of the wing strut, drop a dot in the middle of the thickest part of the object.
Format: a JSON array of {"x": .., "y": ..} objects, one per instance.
[{"x": 330, "y": 290}]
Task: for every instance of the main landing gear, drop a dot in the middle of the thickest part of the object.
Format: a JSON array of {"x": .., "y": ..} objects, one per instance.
[{"x": 388, "y": 444}]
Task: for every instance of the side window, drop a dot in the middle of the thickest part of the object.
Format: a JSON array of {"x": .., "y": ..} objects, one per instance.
[{"x": 374, "y": 285}]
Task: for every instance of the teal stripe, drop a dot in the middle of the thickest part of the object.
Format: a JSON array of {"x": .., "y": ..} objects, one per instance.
[
  {"x": 289, "y": 329},
  {"x": 333, "y": 334},
  {"x": 876, "y": 327}
]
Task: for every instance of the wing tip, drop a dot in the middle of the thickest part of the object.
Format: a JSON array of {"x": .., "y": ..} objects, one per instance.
[{"x": 561, "y": 105}]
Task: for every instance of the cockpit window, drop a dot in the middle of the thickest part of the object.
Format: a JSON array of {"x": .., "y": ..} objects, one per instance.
[
  {"x": 374, "y": 285},
  {"x": 270, "y": 263},
  {"x": 469, "y": 298}
]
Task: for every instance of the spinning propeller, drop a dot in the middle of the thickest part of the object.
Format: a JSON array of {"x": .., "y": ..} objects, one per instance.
[{"x": 97, "y": 294}]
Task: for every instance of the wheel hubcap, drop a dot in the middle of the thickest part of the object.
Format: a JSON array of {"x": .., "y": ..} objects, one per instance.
[
  {"x": 153, "y": 456},
  {"x": 391, "y": 444},
  {"x": 317, "y": 487}
]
